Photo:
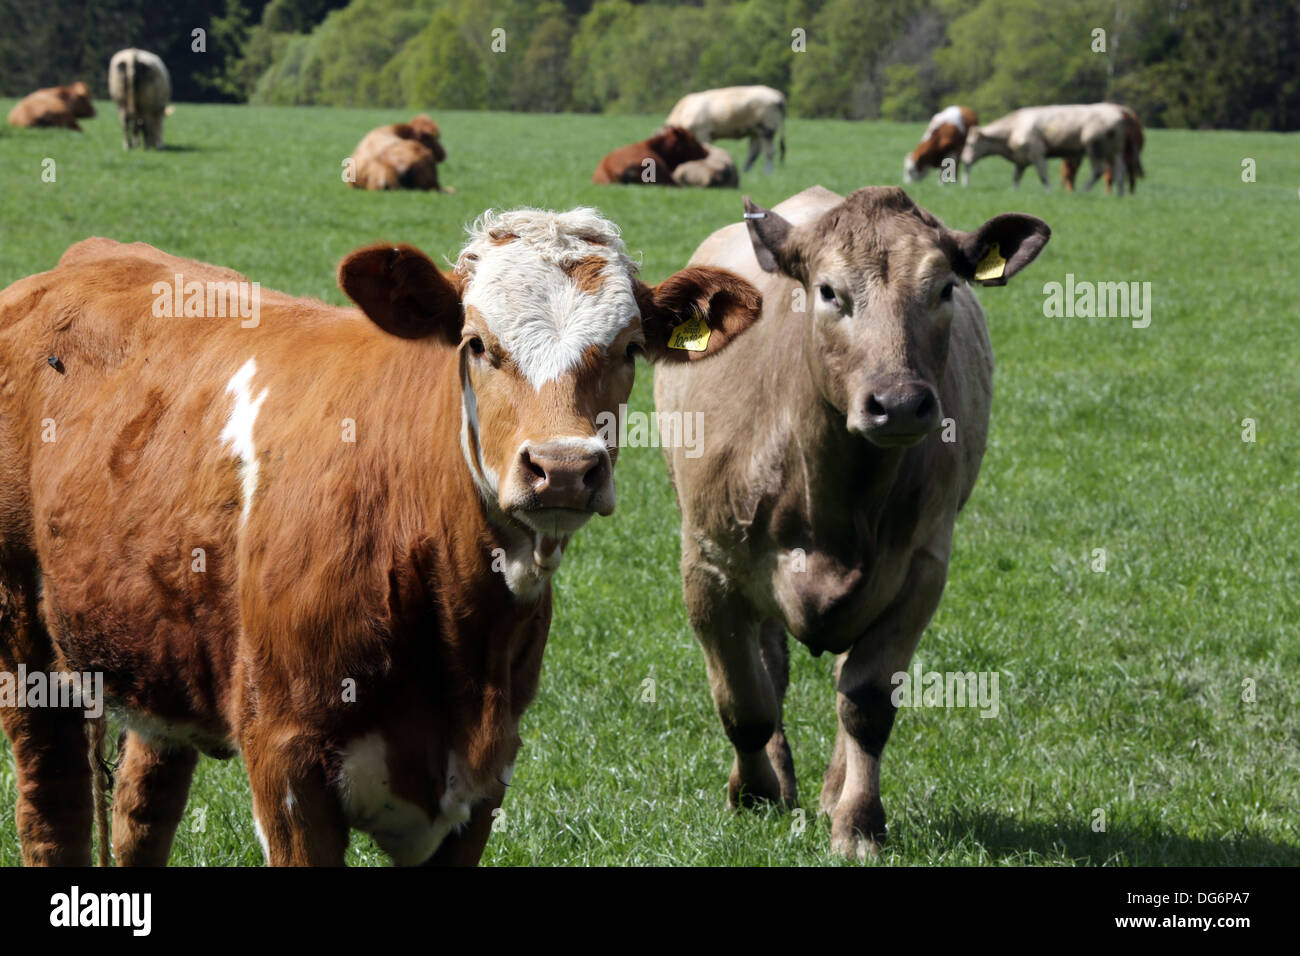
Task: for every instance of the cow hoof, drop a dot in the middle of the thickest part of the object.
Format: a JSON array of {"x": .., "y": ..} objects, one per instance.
[
  {"x": 857, "y": 847},
  {"x": 858, "y": 831},
  {"x": 753, "y": 794}
]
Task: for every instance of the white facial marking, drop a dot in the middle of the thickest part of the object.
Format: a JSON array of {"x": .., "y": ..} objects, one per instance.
[
  {"x": 239, "y": 430},
  {"x": 537, "y": 313}
]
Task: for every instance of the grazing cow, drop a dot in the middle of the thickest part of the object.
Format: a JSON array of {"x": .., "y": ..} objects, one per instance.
[
  {"x": 717, "y": 169},
  {"x": 322, "y": 537},
  {"x": 59, "y": 106},
  {"x": 1134, "y": 140},
  {"x": 735, "y": 112},
  {"x": 944, "y": 139},
  {"x": 824, "y": 502},
  {"x": 399, "y": 156},
  {"x": 1031, "y": 136},
  {"x": 139, "y": 84},
  {"x": 652, "y": 160}
]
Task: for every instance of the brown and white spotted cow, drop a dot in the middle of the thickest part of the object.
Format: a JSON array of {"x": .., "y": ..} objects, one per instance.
[
  {"x": 824, "y": 504},
  {"x": 944, "y": 139},
  {"x": 323, "y": 537},
  {"x": 56, "y": 106}
]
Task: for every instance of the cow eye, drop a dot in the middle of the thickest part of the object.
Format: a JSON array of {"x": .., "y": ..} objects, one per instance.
[
  {"x": 827, "y": 293},
  {"x": 633, "y": 350},
  {"x": 476, "y": 345},
  {"x": 946, "y": 294}
]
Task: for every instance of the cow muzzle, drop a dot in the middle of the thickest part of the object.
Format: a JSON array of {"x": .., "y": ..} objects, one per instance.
[
  {"x": 558, "y": 485},
  {"x": 897, "y": 416}
]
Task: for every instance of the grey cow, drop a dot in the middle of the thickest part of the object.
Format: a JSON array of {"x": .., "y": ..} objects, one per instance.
[
  {"x": 822, "y": 500},
  {"x": 141, "y": 88}
]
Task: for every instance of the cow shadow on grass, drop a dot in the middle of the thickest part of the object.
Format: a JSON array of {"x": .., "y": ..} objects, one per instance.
[{"x": 1141, "y": 843}]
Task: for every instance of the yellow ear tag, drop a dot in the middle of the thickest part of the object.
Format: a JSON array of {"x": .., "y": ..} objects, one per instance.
[
  {"x": 991, "y": 266},
  {"x": 691, "y": 336}
]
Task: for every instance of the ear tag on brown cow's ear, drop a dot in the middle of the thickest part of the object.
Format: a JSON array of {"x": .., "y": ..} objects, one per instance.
[
  {"x": 692, "y": 335},
  {"x": 991, "y": 267}
]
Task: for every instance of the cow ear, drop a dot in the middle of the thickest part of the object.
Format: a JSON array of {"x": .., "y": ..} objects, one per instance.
[
  {"x": 1000, "y": 248},
  {"x": 770, "y": 234},
  {"x": 695, "y": 313},
  {"x": 402, "y": 292}
]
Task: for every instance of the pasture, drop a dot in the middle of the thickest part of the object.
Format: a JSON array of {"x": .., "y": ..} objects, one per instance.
[{"x": 1120, "y": 689}]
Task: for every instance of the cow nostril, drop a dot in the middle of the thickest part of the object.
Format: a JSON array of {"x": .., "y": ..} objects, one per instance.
[
  {"x": 925, "y": 406},
  {"x": 875, "y": 409},
  {"x": 532, "y": 468},
  {"x": 595, "y": 476}
]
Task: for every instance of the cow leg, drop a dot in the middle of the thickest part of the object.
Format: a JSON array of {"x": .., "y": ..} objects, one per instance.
[
  {"x": 464, "y": 847},
  {"x": 126, "y": 128},
  {"x": 150, "y": 788},
  {"x": 298, "y": 816},
  {"x": 1040, "y": 164},
  {"x": 1117, "y": 173},
  {"x": 743, "y": 691},
  {"x": 774, "y": 649},
  {"x": 1015, "y": 178},
  {"x": 769, "y": 152},
  {"x": 866, "y": 711},
  {"x": 50, "y": 748},
  {"x": 153, "y": 130},
  {"x": 755, "y": 144}
]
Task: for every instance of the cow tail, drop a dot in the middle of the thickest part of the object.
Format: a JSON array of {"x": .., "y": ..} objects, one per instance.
[
  {"x": 100, "y": 784},
  {"x": 130, "y": 86}
]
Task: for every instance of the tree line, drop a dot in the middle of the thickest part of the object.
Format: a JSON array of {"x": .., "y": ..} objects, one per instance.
[{"x": 1184, "y": 63}]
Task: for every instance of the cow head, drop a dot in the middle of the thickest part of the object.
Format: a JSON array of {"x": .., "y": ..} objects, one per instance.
[
  {"x": 426, "y": 131},
  {"x": 977, "y": 147},
  {"x": 677, "y": 145},
  {"x": 547, "y": 316},
  {"x": 882, "y": 277},
  {"x": 77, "y": 96}
]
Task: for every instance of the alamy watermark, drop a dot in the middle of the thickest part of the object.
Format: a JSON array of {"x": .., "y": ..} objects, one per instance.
[
  {"x": 1087, "y": 300},
  {"x": 628, "y": 429},
  {"x": 208, "y": 300},
  {"x": 946, "y": 689},
  {"x": 64, "y": 689}
]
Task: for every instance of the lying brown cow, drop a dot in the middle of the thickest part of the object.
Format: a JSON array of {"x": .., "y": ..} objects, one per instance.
[
  {"x": 320, "y": 537},
  {"x": 58, "y": 106},
  {"x": 824, "y": 502},
  {"x": 399, "y": 156},
  {"x": 652, "y": 160},
  {"x": 944, "y": 139},
  {"x": 1134, "y": 140},
  {"x": 716, "y": 170}
]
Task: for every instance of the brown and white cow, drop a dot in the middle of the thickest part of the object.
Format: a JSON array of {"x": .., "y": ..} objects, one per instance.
[
  {"x": 57, "y": 106},
  {"x": 651, "y": 161},
  {"x": 1035, "y": 134},
  {"x": 716, "y": 170},
  {"x": 323, "y": 537},
  {"x": 399, "y": 156},
  {"x": 1134, "y": 140},
  {"x": 141, "y": 87},
  {"x": 944, "y": 139},
  {"x": 756, "y": 113},
  {"x": 824, "y": 502}
]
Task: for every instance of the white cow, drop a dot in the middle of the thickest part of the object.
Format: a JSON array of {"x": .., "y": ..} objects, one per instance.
[
  {"x": 1031, "y": 136},
  {"x": 735, "y": 112},
  {"x": 139, "y": 84}
]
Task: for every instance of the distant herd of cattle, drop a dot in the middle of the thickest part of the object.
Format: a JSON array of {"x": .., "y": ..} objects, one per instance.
[
  {"x": 368, "y": 625},
  {"x": 406, "y": 155}
]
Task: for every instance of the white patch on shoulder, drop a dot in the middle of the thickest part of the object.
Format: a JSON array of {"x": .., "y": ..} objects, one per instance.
[
  {"x": 239, "y": 430},
  {"x": 536, "y": 312}
]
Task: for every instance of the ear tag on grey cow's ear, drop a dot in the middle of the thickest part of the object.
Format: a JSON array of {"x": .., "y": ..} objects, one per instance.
[
  {"x": 755, "y": 215},
  {"x": 692, "y": 335},
  {"x": 991, "y": 268}
]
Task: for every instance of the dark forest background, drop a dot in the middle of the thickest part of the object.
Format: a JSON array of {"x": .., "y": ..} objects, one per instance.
[{"x": 1184, "y": 63}]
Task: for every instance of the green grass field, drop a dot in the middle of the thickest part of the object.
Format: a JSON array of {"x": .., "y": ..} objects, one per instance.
[{"x": 1120, "y": 690}]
